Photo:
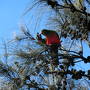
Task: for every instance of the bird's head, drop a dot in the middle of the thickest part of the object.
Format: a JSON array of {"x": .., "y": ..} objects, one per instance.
[{"x": 44, "y": 32}]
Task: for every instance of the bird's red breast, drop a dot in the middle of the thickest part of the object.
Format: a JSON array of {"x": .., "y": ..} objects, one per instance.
[{"x": 52, "y": 39}]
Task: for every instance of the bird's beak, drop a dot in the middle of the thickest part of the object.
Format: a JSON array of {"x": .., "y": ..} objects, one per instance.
[{"x": 41, "y": 33}]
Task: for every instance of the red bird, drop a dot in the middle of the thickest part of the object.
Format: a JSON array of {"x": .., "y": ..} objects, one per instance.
[
  {"x": 51, "y": 37},
  {"x": 53, "y": 41}
]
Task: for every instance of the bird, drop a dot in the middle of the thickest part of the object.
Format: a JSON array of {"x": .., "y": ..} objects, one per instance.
[{"x": 52, "y": 40}]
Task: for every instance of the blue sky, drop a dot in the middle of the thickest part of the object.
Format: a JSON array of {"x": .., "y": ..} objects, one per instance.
[{"x": 10, "y": 14}]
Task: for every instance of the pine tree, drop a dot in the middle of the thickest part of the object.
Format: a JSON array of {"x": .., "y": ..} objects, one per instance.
[{"x": 33, "y": 68}]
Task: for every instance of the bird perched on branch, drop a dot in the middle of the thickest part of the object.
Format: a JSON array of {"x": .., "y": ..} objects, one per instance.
[{"x": 52, "y": 40}]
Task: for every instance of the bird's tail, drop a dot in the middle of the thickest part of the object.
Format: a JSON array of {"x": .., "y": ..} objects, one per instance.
[{"x": 54, "y": 54}]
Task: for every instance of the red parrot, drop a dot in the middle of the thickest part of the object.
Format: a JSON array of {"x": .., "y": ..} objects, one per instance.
[
  {"x": 51, "y": 37},
  {"x": 53, "y": 41}
]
